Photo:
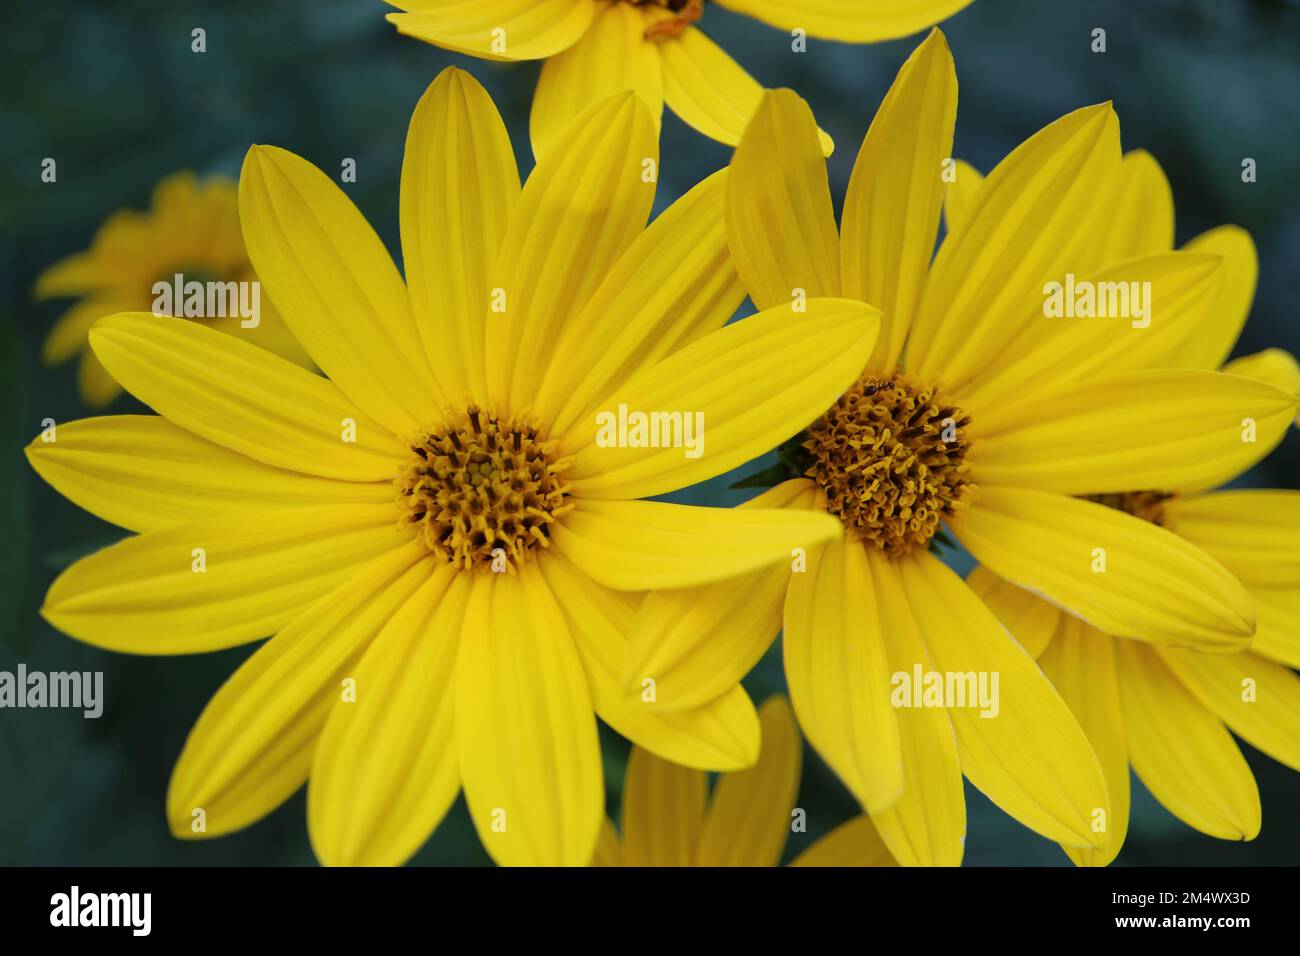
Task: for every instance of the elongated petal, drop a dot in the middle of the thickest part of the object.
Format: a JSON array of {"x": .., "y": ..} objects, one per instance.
[
  {"x": 385, "y": 770},
  {"x": 1121, "y": 574},
  {"x": 1026, "y": 616},
  {"x": 1217, "y": 337},
  {"x": 663, "y": 811},
  {"x": 609, "y": 852},
  {"x": 95, "y": 383},
  {"x": 583, "y": 205},
  {"x": 855, "y": 843},
  {"x": 459, "y": 186},
  {"x": 674, "y": 285},
  {"x": 720, "y": 734},
  {"x": 1274, "y": 366},
  {"x": 144, "y": 473},
  {"x": 1142, "y": 218},
  {"x": 697, "y": 643},
  {"x": 1255, "y": 534},
  {"x": 1176, "y": 293},
  {"x": 336, "y": 287},
  {"x": 612, "y": 56},
  {"x": 75, "y": 275},
  {"x": 1080, "y": 663},
  {"x": 926, "y": 825},
  {"x": 244, "y": 398},
  {"x": 1031, "y": 222},
  {"x": 740, "y": 391},
  {"x": 959, "y": 200},
  {"x": 525, "y": 731},
  {"x": 780, "y": 221},
  {"x": 252, "y": 746},
  {"x": 1182, "y": 752},
  {"x": 1196, "y": 429},
  {"x": 838, "y": 671},
  {"x": 70, "y": 332},
  {"x": 709, "y": 90},
  {"x": 496, "y": 29},
  {"x": 891, "y": 209},
  {"x": 1020, "y": 745},
  {"x": 644, "y": 545},
  {"x": 749, "y": 815},
  {"x": 850, "y": 22},
  {"x": 215, "y": 583},
  {"x": 1278, "y": 634}
]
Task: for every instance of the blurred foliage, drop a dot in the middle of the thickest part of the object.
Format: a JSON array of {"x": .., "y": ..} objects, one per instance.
[{"x": 112, "y": 91}]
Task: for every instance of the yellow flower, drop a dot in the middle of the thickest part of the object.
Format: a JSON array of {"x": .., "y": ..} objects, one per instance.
[
  {"x": 978, "y": 411},
  {"x": 594, "y": 48},
  {"x": 670, "y": 819},
  {"x": 192, "y": 228},
  {"x": 1163, "y": 708},
  {"x": 364, "y": 518}
]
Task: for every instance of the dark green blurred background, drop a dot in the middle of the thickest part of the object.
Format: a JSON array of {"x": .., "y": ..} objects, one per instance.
[{"x": 112, "y": 91}]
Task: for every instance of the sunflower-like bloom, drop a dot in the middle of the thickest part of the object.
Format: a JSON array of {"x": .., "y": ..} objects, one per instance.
[
  {"x": 448, "y": 556},
  {"x": 670, "y": 819},
  {"x": 978, "y": 411},
  {"x": 1160, "y": 707},
  {"x": 594, "y": 48},
  {"x": 191, "y": 228}
]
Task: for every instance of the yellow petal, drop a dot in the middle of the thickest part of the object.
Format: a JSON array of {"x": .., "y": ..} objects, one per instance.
[
  {"x": 1123, "y": 575},
  {"x": 959, "y": 200},
  {"x": 1255, "y": 534},
  {"x": 1027, "y": 617},
  {"x": 215, "y": 583},
  {"x": 584, "y": 203},
  {"x": 144, "y": 473},
  {"x": 70, "y": 332},
  {"x": 1278, "y": 634},
  {"x": 459, "y": 186},
  {"x": 1216, "y": 338},
  {"x": 252, "y": 746},
  {"x": 244, "y": 398},
  {"x": 385, "y": 770},
  {"x": 525, "y": 731},
  {"x": 1031, "y": 221},
  {"x": 720, "y": 734},
  {"x": 709, "y": 90},
  {"x": 749, "y": 815},
  {"x": 850, "y": 22},
  {"x": 1196, "y": 429},
  {"x": 780, "y": 221},
  {"x": 1020, "y": 745},
  {"x": 608, "y": 850},
  {"x": 926, "y": 826},
  {"x": 97, "y": 386},
  {"x": 697, "y": 643},
  {"x": 1274, "y": 366},
  {"x": 336, "y": 287},
  {"x": 838, "y": 671},
  {"x": 663, "y": 811},
  {"x": 741, "y": 390},
  {"x": 674, "y": 284},
  {"x": 1141, "y": 222},
  {"x": 76, "y": 275},
  {"x": 496, "y": 29},
  {"x": 644, "y": 545},
  {"x": 1182, "y": 752},
  {"x": 612, "y": 56},
  {"x": 1080, "y": 663},
  {"x": 1182, "y": 288},
  {"x": 1257, "y": 699},
  {"x": 855, "y": 843},
  {"x": 891, "y": 209}
]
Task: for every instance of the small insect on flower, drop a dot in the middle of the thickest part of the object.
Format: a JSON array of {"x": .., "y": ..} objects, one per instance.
[
  {"x": 184, "y": 257},
  {"x": 447, "y": 558},
  {"x": 593, "y": 48}
]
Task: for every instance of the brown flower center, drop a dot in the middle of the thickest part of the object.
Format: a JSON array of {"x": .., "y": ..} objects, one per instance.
[
  {"x": 891, "y": 458},
  {"x": 686, "y": 12},
  {"x": 482, "y": 493},
  {"x": 1147, "y": 505}
]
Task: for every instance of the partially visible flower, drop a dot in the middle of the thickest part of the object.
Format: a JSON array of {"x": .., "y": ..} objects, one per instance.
[
  {"x": 1163, "y": 709},
  {"x": 669, "y": 817},
  {"x": 191, "y": 228},
  {"x": 593, "y": 48}
]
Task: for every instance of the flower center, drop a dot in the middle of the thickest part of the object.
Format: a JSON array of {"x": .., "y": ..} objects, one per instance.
[
  {"x": 482, "y": 493},
  {"x": 687, "y": 12},
  {"x": 1147, "y": 505},
  {"x": 891, "y": 458}
]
